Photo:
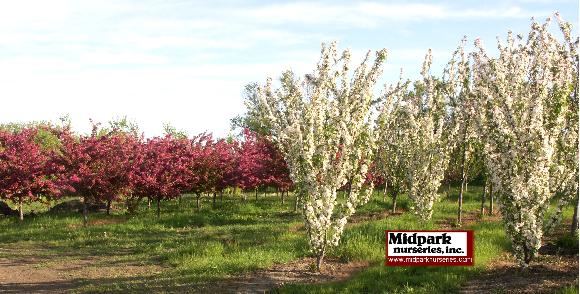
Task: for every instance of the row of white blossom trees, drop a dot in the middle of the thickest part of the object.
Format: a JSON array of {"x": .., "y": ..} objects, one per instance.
[{"x": 521, "y": 107}]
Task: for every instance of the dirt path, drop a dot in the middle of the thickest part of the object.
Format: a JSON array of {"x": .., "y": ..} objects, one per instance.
[
  {"x": 24, "y": 276},
  {"x": 32, "y": 271},
  {"x": 296, "y": 272},
  {"x": 545, "y": 276},
  {"x": 53, "y": 275},
  {"x": 552, "y": 269}
]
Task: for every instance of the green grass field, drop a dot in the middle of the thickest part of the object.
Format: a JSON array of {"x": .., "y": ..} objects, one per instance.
[{"x": 187, "y": 248}]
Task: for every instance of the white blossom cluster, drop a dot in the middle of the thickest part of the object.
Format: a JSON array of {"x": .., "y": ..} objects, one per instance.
[
  {"x": 392, "y": 154},
  {"x": 414, "y": 131},
  {"x": 321, "y": 124},
  {"x": 564, "y": 170},
  {"x": 463, "y": 105},
  {"x": 529, "y": 122}
]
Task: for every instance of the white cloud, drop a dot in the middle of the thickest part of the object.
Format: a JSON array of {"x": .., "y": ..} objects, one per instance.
[
  {"x": 415, "y": 12},
  {"x": 367, "y": 14},
  {"x": 29, "y": 13},
  {"x": 409, "y": 12}
]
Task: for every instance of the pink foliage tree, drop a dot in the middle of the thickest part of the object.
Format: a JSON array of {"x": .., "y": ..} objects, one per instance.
[
  {"x": 250, "y": 163},
  {"x": 161, "y": 169},
  {"x": 262, "y": 164},
  {"x": 273, "y": 169},
  {"x": 99, "y": 165},
  {"x": 224, "y": 162},
  {"x": 27, "y": 170},
  {"x": 201, "y": 165}
]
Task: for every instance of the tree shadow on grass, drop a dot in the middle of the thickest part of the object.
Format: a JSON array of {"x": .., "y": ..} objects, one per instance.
[
  {"x": 39, "y": 287},
  {"x": 538, "y": 278}
]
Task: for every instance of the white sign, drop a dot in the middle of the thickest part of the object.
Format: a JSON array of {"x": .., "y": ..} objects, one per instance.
[{"x": 405, "y": 243}]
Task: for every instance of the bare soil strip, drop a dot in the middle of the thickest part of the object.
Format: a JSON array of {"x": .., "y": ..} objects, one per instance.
[
  {"x": 553, "y": 268},
  {"x": 548, "y": 274},
  {"x": 296, "y": 272},
  {"x": 35, "y": 272}
]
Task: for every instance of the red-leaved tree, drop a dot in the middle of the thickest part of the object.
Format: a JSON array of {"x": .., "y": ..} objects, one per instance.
[
  {"x": 273, "y": 170},
  {"x": 162, "y": 169},
  {"x": 250, "y": 162},
  {"x": 261, "y": 164},
  {"x": 99, "y": 165},
  {"x": 223, "y": 166},
  {"x": 201, "y": 166},
  {"x": 27, "y": 170}
]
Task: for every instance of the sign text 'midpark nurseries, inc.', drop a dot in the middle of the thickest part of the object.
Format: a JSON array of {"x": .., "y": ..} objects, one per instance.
[{"x": 429, "y": 248}]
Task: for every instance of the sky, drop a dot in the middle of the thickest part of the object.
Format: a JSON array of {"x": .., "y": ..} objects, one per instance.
[{"x": 186, "y": 62}]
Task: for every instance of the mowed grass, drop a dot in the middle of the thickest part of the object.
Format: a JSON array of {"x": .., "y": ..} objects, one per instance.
[
  {"x": 195, "y": 247},
  {"x": 366, "y": 242}
]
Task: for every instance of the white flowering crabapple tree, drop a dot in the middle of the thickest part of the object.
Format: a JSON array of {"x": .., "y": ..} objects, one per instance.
[
  {"x": 526, "y": 94},
  {"x": 462, "y": 109},
  {"x": 417, "y": 120},
  {"x": 564, "y": 170},
  {"x": 322, "y": 125},
  {"x": 392, "y": 154}
]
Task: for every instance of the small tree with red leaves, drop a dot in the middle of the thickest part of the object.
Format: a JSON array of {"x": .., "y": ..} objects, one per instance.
[
  {"x": 201, "y": 166},
  {"x": 273, "y": 170},
  {"x": 162, "y": 169},
  {"x": 27, "y": 170},
  {"x": 99, "y": 165},
  {"x": 223, "y": 163},
  {"x": 250, "y": 164}
]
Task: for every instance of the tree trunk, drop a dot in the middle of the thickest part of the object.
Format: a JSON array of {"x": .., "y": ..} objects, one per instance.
[
  {"x": 463, "y": 185},
  {"x": 132, "y": 204},
  {"x": 491, "y": 198},
  {"x": 213, "y": 200},
  {"x": 108, "y": 207},
  {"x": 85, "y": 212},
  {"x": 20, "y": 210},
  {"x": 256, "y": 193},
  {"x": 385, "y": 191},
  {"x": 282, "y": 197},
  {"x": 460, "y": 205},
  {"x": 482, "y": 210},
  {"x": 197, "y": 201},
  {"x": 158, "y": 207},
  {"x": 221, "y": 195},
  {"x": 574, "y": 226},
  {"x": 395, "y": 194},
  {"x": 448, "y": 188},
  {"x": 527, "y": 255},
  {"x": 148, "y": 202},
  {"x": 296, "y": 203},
  {"x": 319, "y": 260}
]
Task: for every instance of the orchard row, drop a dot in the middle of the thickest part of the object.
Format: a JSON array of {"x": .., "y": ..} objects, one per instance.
[{"x": 47, "y": 162}]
